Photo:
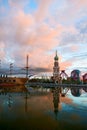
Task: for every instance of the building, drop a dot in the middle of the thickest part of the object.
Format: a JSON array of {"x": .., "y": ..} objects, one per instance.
[{"x": 56, "y": 72}]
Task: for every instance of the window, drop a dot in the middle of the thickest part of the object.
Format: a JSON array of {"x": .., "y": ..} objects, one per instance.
[{"x": 14, "y": 80}]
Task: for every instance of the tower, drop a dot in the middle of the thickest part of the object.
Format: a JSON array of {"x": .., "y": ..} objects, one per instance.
[
  {"x": 27, "y": 67},
  {"x": 56, "y": 74}
]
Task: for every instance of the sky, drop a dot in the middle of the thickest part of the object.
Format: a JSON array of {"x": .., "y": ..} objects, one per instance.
[{"x": 40, "y": 27}]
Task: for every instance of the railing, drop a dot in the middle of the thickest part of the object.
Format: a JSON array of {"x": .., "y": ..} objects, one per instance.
[{"x": 52, "y": 85}]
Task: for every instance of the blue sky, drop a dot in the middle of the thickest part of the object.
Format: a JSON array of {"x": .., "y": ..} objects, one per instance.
[{"x": 39, "y": 28}]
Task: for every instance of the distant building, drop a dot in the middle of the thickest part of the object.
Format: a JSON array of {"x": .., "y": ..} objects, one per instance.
[
  {"x": 85, "y": 78},
  {"x": 75, "y": 74}
]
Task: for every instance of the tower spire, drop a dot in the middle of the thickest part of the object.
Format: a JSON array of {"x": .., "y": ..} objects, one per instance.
[
  {"x": 56, "y": 52},
  {"x": 56, "y": 57}
]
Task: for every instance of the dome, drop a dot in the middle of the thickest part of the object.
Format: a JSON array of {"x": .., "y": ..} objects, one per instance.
[
  {"x": 56, "y": 57},
  {"x": 76, "y": 92},
  {"x": 75, "y": 73}
]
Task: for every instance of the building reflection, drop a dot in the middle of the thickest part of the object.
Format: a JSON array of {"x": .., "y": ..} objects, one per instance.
[{"x": 56, "y": 100}]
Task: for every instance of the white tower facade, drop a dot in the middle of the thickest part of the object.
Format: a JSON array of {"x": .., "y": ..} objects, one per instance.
[{"x": 56, "y": 72}]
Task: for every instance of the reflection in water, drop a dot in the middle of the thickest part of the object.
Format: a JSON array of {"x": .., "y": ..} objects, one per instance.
[
  {"x": 9, "y": 101},
  {"x": 56, "y": 100},
  {"x": 76, "y": 92},
  {"x": 26, "y": 96},
  {"x": 37, "y": 109},
  {"x": 26, "y": 101}
]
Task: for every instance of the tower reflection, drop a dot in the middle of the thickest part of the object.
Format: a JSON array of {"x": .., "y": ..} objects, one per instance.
[{"x": 56, "y": 100}]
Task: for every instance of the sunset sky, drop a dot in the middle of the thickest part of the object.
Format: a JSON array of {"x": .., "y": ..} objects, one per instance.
[{"x": 39, "y": 28}]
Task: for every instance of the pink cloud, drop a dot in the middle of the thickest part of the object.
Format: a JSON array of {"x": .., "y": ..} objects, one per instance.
[
  {"x": 65, "y": 65},
  {"x": 29, "y": 33},
  {"x": 43, "y": 10},
  {"x": 74, "y": 48},
  {"x": 24, "y": 20},
  {"x": 35, "y": 40},
  {"x": 79, "y": 3},
  {"x": 2, "y": 50}
]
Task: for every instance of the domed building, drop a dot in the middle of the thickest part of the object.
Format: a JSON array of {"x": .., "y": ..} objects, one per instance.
[{"x": 75, "y": 74}]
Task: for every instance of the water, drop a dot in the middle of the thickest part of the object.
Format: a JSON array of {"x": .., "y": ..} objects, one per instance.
[{"x": 42, "y": 109}]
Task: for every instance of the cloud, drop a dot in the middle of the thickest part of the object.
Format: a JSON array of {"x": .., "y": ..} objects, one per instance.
[
  {"x": 2, "y": 49},
  {"x": 17, "y": 3},
  {"x": 82, "y": 26},
  {"x": 33, "y": 39},
  {"x": 76, "y": 36},
  {"x": 65, "y": 65},
  {"x": 42, "y": 32},
  {"x": 69, "y": 11},
  {"x": 43, "y": 10},
  {"x": 79, "y": 3}
]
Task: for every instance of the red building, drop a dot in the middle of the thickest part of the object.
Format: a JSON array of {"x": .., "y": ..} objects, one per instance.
[{"x": 85, "y": 78}]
